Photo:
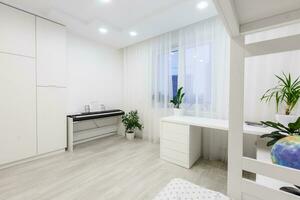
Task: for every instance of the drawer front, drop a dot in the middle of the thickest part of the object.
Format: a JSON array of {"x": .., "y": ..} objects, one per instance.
[
  {"x": 178, "y": 158},
  {"x": 176, "y": 146},
  {"x": 175, "y": 132}
]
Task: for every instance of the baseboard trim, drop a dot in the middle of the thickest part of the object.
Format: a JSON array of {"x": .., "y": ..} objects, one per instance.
[{"x": 30, "y": 159}]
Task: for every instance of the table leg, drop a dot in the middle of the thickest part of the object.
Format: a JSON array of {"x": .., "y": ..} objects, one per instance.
[{"x": 70, "y": 134}]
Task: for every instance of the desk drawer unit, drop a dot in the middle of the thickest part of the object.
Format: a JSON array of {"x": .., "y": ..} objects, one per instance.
[{"x": 180, "y": 144}]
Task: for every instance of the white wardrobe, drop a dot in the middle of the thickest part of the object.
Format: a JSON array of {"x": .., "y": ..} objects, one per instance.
[{"x": 32, "y": 86}]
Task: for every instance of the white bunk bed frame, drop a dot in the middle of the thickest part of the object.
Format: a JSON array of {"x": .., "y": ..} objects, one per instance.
[{"x": 238, "y": 187}]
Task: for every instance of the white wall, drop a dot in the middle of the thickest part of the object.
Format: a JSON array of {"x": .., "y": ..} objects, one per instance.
[
  {"x": 94, "y": 74},
  {"x": 260, "y": 74}
]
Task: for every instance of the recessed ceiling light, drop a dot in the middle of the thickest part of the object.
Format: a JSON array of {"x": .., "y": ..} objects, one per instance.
[
  {"x": 133, "y": 33},
  {"x": 103, "y": 30},
  {"x": 105, "y": 1},
  {"x": 202, "y": 5}
]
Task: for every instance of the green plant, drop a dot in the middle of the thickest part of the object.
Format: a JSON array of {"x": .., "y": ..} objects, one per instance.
[
  {"x": 131, "y": 121},
  {"x": 287, "y": 91},
  {"x": 178, "y": 98},
  {"x": 281, "y": 131}
]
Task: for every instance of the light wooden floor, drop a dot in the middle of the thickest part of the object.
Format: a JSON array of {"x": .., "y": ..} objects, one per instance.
[{"x": 110, "y": 168}]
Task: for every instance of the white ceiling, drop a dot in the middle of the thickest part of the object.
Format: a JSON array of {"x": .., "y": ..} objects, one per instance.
[
  {"x": 252, "y": 10},
  {"x": 147, "y": 17}
]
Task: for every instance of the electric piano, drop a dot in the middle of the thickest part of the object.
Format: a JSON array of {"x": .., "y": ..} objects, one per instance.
[{"x": 85, "y": 127}]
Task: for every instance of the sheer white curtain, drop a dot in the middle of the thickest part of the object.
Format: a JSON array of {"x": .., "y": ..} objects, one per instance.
[
  {"x": 160, "y": 83},
  {"x": 147, "y": 82},
  {"x": 137, "y": 64},
  {"x": 196, "y": 57},
  {"x": 204, "y": 67}
]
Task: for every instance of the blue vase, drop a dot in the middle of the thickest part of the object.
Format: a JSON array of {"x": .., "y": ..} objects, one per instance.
[{"x": 286, "y": 152}]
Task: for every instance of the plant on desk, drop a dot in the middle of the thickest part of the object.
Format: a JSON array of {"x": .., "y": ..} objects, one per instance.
[
  {"x": 286, "y": 147},
  {"x": 131, "y": 122},
  {"x": 286, "y": 92},
  {"x": 177, "y": 101}
]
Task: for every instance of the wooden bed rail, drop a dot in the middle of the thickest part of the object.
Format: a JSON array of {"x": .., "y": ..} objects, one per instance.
[{"x": 278, "y": 172}]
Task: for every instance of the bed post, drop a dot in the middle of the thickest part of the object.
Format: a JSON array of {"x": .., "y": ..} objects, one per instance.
[{"x": 236, "y": 117}]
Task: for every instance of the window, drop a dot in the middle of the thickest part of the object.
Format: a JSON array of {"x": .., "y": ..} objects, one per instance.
[
  {"x": 162, "y": 82},
  {"x": 197, "y": 76},
  {"x": 174, "y": 71}
]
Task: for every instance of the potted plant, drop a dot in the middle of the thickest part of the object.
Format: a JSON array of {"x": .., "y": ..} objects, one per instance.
[
  {"x": 285, "y": 142},
  {"x": 287, "y": 92},
  {"x": 131, "y": 122},
  {"x": 177, "y": 101}
]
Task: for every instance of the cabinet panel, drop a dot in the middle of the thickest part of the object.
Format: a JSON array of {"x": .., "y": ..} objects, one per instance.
[
  {"x": 17, "y": 32},
  {"x": 17, "y": 108},
  {"x": 181, "y": 159},
  {"x": 51, "y": 119},
  {"x": 51, "y": 53},
  {"x": 175, "y": 132},
  {"x": 176, "y": 146}
]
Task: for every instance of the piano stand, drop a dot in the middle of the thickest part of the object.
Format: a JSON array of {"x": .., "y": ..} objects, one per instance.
[{"x": 105, "y": 122}]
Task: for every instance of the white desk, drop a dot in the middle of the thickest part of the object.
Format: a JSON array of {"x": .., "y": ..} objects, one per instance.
[
  {"x": 181, "y": 137},
  {"x": 181, "y": 142},
  {"x": 213, "y": 124}
]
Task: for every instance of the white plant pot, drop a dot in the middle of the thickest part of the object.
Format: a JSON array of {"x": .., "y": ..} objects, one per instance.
[
  {"x": 286, "y": 119},
  {"x": 130, "y": 136},
  {"x": 178, "y": 111}
]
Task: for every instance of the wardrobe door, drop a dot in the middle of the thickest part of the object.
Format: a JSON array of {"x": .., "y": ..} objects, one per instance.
[
  {"x": 51, "y": 119},
  {"x": 17, "y": 108},
  {"x": 51, "y": 53},
  {"x": 17, "y": 32}
]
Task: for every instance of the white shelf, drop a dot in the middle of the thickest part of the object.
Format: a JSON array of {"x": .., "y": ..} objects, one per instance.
[{"x": 277, "y": 45}]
